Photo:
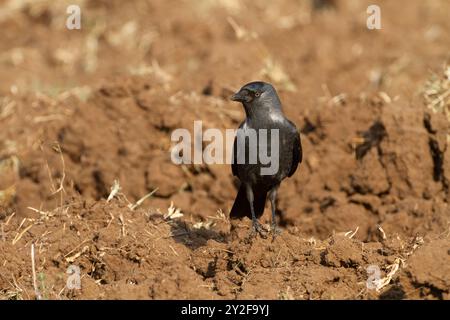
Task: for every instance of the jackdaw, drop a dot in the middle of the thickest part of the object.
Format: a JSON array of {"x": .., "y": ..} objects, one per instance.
[{"x": 277, "y": 138}]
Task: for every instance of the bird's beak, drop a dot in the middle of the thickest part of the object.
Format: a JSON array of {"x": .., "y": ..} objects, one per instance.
[{"x": 237, "y": 97}]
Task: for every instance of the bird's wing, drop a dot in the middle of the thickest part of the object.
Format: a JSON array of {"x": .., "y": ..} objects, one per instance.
[
  {"x": 297, "y": 154},
  {"x": 234, "y": 162}
]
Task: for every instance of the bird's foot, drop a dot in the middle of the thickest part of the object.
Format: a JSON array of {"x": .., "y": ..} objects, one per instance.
[
  {"x": 274, "y": 230},
  {"x": 257, "y": 228}
]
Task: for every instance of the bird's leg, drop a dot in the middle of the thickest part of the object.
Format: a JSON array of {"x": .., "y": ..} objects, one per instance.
[
  {"x": 272, "y": 196},
  {"x": 256, "y": 225}
]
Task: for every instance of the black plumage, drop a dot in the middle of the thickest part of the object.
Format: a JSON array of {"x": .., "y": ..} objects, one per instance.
[{"x": 263, "y": 111}]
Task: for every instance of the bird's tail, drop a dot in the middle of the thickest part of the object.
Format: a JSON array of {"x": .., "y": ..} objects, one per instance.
[{"x": 241, "y": 206}]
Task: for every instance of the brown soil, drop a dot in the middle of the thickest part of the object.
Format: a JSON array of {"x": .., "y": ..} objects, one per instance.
[{"x": 80, "y": 109}]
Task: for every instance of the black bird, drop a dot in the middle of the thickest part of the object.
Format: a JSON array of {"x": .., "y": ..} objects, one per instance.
[{"x": 263, "y": 111}]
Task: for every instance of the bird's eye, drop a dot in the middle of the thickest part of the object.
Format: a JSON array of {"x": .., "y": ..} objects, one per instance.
[{"x": 257, "y": 94}]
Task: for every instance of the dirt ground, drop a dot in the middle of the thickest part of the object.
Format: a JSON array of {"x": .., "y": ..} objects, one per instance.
[{"x": 82, "y": 111}]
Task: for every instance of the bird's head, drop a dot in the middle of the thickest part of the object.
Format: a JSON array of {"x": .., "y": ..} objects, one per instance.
[{"x": 256, "y": 96}]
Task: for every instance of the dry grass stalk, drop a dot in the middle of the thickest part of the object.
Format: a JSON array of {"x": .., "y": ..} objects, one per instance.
[
  {"x": 20, "y": 235},
  {"x": 350, "y": 234},
  {"x": 33, "y": 269},
  {"x": 275, "y": 72},
  {"x": 173, "y": 213},
  {"x": 57, "y": 148},
  {"x": 141, "y": 200},
  {"x": 395, "y": 267},
  {"x": 383, "y": 234},
  {"x": 122, "y": 222},
  {"x": 437, "y": 93},
  {"x": 10, "y": 217},
  {"x": 114, "y": 190},
  {"x": 7, "y": 108},
  {"x": 240, "y": 32},
  {"x": 3, "y": 232},
  {"x": 72, "y": 258}
]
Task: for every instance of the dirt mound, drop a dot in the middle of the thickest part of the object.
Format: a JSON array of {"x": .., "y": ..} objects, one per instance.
[
  {"x": 145, "y": 254},
  {"x": 398, "y": 176},
  {"x": 101, "y": 239},
  {"x": 431, "y": 262}
]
